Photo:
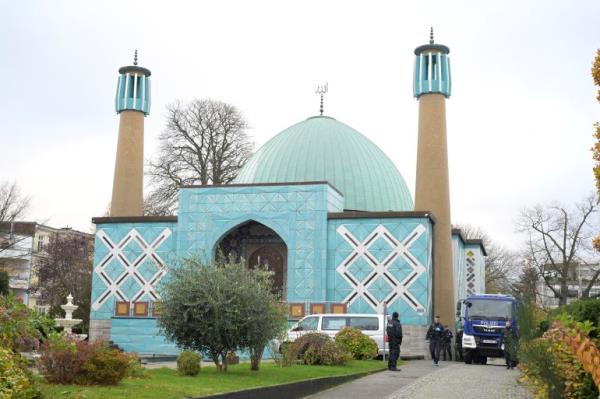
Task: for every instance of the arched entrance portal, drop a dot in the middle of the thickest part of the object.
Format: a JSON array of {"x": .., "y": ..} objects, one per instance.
[{"x": 257, "y": 244}]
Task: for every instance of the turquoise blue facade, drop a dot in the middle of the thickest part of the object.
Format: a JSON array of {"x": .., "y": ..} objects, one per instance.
[
  {"x": 469, "y": 266},
  {"x": 361, "y": 259},
  {"x": 130, "y": 260},
  {"x": 133, "y": 90},
  {"x": 432, "y": 70}
]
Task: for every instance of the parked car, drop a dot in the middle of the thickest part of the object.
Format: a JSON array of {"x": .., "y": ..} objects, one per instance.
[{"x": 331, "y": 323}]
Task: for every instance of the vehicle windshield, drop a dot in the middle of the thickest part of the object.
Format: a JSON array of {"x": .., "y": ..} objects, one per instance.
[{"x": 489, "y": 309}]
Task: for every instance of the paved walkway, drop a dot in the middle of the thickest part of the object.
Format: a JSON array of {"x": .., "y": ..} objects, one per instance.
[{"x": 418, "y": 379}]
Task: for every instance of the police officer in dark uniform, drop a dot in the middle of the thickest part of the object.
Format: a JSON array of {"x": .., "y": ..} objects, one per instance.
[
  {"x": 447, "y": 344},
  {"x": 435, "y": 335},
  {"x": 394, "y": 333}
]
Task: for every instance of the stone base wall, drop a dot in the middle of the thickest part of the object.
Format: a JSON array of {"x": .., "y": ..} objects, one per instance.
[
  {"x": 100, "y": 329},
  {"x": 413, "y": 341}
]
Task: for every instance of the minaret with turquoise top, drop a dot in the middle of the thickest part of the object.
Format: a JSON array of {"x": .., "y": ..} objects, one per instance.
[
  {"x": 432, "y": 86},
  {"x": 132, "y": 103}
]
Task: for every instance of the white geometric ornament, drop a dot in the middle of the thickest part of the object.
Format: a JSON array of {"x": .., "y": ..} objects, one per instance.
[
  {"x": 399, "y": 289},
  {"x": 470, "y": 273},
  {"x": 115, "y": 251}
]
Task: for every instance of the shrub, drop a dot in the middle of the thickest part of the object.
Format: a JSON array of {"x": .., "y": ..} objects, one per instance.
[
  {"x": 315, "y": 348},
  {"x": 14, "y": 379},
  {"x": 135, "y": 369},
  {"x": 585, "y": 310},
  {"x": 20, "y": 327},
  {"x": 328, "y": 354},
  {"x": 297, "y": 348},
  {"x": 553, "y": 368},
  {"x": 66, "y": 360},
  {"x": 63, "y": 356},
  {"x": 359, "y": 345},
  {"x": 105, "y": 367},
  {"x": 188, "y": 363},
  {"x": 232, "y": 358}
]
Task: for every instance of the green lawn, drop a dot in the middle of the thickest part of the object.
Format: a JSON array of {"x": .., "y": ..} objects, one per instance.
[{"x": 165, "y": 383}]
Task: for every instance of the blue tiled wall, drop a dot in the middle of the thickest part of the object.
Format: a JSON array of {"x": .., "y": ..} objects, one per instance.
[
  {"x": 371, "y": 261},
  {"x": 475, "y": 253},
  {"x": 141, "y": 336},
  {"x": 160, "y": 237},
  {"x": 297, "y": 213},
  {"x": 458, "y": 257}
]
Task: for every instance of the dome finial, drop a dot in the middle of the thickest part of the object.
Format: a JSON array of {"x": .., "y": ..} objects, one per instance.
[
  {"x": 431, "y": 36},
  {"x": 322, "y": 90},
  {"x": 135, "y": 58}
]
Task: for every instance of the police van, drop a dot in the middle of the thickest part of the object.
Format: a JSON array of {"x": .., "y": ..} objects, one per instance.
[{"x": 330, "y": 324}]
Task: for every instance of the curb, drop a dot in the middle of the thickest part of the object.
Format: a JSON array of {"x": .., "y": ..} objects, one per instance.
[{"x": 292, "y": 390}]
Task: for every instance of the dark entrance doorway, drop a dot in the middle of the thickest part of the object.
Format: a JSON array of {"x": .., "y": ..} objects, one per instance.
[{"x": 257, "y": 244}]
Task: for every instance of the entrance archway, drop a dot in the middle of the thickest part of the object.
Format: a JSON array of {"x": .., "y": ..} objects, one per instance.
[{"x": 258, "y": 245}]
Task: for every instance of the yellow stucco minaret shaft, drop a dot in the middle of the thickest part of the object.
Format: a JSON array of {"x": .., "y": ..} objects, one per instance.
[
  {"x": 132, "y": 104},
  {"x": 432, "y": 86}
]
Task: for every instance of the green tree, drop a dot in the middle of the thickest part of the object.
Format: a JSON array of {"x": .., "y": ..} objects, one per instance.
[
  {"x": 265, "y": 318},
  {"x": 218, "y": 307}
]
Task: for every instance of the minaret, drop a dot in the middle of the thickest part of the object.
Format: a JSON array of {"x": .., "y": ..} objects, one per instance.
[
  {"x": 132, "y": 103},
  {"x": 432, "y": 86}
]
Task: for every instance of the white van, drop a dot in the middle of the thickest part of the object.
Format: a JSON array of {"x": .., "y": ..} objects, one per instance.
[{"x": 331, "y": 323}]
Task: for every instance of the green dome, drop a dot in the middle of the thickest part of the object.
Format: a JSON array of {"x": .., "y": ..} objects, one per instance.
[{"x": 321, "y": 148}]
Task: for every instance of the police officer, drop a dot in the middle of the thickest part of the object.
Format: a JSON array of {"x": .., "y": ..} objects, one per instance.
[
  {"x": 435, "y": 335},
  {"x": 447, "y": 344},
  {"x": 394, "y": 333},
  {"x": 510, "y": 341}
]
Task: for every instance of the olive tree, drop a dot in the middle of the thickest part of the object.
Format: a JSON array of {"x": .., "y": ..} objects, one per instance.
[{"x": 220, "y": 306}]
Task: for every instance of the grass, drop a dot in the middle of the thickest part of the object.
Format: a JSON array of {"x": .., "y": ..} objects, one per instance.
[{"x": 165, "y": 383}]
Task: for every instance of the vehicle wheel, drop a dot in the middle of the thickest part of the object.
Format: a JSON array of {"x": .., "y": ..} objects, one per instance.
[{"x": 468, "y": 357}]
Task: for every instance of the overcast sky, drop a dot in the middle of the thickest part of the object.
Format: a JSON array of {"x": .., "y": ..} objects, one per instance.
[{"x": 520, "y": 119}]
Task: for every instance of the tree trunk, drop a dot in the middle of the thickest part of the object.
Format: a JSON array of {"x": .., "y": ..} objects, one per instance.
[
  {"x": 255, "y": 358},
  {"x": 215, "y": 358},
  {"x": 564, "y": 292},
  {"x": 224, "y": 361}
]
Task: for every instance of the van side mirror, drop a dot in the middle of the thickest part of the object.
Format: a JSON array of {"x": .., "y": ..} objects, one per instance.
[{"x": 297, "y": 328}]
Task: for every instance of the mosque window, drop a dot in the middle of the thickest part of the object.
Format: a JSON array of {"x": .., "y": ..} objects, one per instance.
[
  {"x": 139, "y": 87},
  {"x": 434, "y": 62},
  {"x": 122, "y": 308},
  {"x": 140, "y": 309},
  {"x": 130, "y": 87}
]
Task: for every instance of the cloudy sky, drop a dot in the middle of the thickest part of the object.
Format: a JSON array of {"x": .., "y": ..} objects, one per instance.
[{"x": 519, "y": 121}]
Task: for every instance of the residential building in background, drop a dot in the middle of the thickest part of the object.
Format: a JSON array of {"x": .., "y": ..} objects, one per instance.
[
  {"x": 579, "y": 277},
  {"x": 22, "y": 245}
]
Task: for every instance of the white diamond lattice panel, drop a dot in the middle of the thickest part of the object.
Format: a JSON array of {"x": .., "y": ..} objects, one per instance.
[
  {"x": 147, "y": 251},
  {"x": 362, "y": 286},
  {"x": 470, "y": 273}
]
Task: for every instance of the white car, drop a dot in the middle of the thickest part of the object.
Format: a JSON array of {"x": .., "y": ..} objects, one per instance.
[{"x": 331, "y": 323}]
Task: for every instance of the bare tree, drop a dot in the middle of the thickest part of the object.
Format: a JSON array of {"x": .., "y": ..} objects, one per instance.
[
  {"x": 66, "y": 268},
  {"x": 500, "y": 263},
  {"x": 13, "y": 205},
  {"x": 204, "y": 142},
  {"x": 559, "y": 242},
  {"x": 526, "y": 286}
]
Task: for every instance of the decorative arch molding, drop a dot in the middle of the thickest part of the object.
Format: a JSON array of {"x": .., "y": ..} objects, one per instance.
[{"x": 227, "y": 228}]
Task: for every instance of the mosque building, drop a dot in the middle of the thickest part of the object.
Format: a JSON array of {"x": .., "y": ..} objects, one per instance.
[{"x": 319, "y": 204}]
